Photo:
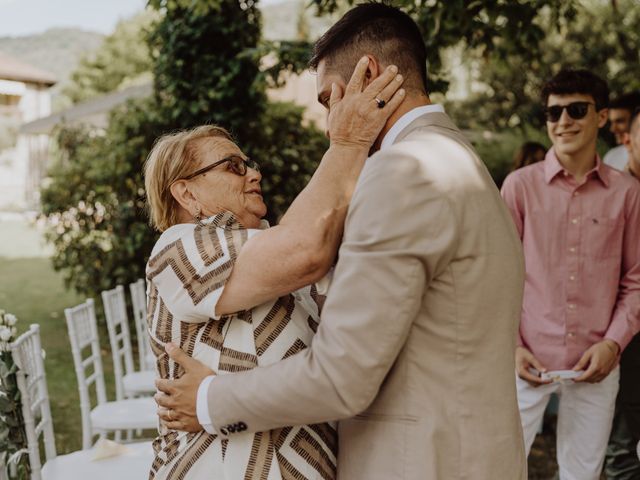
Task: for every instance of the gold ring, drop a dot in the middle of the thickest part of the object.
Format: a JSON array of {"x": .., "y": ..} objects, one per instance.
[{"x": 169, "y": 415}]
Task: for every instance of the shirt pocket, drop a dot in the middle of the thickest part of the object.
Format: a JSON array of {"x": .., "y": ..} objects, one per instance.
[{"x": 603, "y": 236}]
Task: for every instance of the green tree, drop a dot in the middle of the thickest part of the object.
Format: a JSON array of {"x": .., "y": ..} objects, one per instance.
[{"x": 122, "y": 59}]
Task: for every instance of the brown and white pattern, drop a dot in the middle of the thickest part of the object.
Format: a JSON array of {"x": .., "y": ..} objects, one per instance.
[{"x": 186, "y": 274}]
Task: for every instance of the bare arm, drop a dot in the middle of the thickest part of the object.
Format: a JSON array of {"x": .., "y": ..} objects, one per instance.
[{"x": 302, "y": 248}]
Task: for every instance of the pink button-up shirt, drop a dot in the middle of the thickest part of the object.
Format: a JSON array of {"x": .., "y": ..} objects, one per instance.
[{"x": 582, "y": 255}]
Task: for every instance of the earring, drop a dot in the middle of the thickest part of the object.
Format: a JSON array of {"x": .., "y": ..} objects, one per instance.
[{"x": 198, "y": 215}]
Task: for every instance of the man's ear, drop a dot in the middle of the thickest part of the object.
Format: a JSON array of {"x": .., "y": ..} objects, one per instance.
[
  {"x": 182, "y": 194},
  {"x": 603, "y": 116},
  {"x": 374, "y": 69}
]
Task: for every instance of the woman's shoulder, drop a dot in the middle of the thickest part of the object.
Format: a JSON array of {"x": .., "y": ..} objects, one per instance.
[{"x": 173, "y": 234}]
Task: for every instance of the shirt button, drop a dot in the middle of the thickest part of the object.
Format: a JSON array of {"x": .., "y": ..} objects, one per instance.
[
  {"x": 572, "y": 249},
  {"x": 571, "y": 334},
  {"x": 574, "y": 220},
  {"x": 575, "y": 194},
  {"x": 572, "y": 277},
  {"x": 572, "y": 306}
]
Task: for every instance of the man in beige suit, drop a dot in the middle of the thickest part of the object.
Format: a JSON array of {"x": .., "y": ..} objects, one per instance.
[{"x": 414, "y": 352}]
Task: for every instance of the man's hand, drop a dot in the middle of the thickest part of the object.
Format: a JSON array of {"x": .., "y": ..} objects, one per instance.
[
  {"x": 177, "y": 398},
  {"x": 525, "y": 360},
  {"x": 601, "y": 358}
]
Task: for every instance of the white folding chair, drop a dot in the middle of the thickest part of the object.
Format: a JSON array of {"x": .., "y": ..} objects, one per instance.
[
  {"x": 139, "y": 300},
  {"x": 127, "y": 414},
  {"x": 36, "y": 411},
  {"x": 129, "y": 383}
]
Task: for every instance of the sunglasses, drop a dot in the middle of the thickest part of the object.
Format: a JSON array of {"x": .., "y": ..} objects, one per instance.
[
  {"x": 576, "y": 110},
  {"x": 237, "y": 165}
]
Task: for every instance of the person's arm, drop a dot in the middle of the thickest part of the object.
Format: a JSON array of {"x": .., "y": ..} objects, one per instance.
[
  {"x": 401, "y": 234},
  {"x": 512, "y": 196},
  {"x": 302, "y": 247},
  {"x": 625, "y": 322}
]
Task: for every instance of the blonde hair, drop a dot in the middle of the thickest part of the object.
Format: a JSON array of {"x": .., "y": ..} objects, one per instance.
[{"x": 173, "y": 157}]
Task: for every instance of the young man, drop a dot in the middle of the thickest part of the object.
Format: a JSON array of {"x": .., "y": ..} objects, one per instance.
[
  {"x": 622, "y": 461},
  {"x": 414, "y": 352},
  {"x": 620, "y": 111},
  {"x": 579, "y": 221}
]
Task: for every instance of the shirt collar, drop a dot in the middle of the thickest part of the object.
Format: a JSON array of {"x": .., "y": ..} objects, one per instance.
[
  {"x": 229, "y": 221},
  {"x": 553, "y": 167},
  {"x": 405, "y": 120}
]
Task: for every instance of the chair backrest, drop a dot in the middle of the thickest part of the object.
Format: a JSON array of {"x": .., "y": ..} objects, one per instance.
[
  {"x": 32, "y": 383},
  {"x": 139, "y": 300},
  {"x": 83, "y": 333},
  {"x": 115, "y": 311}
]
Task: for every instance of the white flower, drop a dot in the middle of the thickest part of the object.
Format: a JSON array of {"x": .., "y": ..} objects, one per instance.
[
  {"x": 10, "y": 319},
  {"x": 5, "y": 334}
]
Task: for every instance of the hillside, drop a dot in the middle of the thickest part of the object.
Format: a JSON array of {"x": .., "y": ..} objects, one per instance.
[{"x": 58, "y": 50}]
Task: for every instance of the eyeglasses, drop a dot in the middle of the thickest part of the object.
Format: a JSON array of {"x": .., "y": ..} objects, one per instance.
[
  {"x": 237, "y": 164},
  {"x": 576, "y": 110}
]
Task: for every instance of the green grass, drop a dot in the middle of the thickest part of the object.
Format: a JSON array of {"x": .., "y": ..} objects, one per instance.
[{"x": 35, "y": 293}]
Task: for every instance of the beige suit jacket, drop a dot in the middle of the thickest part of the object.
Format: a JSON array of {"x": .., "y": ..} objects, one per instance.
[{"x": 415, "y": 349}]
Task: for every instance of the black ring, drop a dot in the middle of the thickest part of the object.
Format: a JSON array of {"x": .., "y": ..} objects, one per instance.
[{"x": 381, "y": 103}]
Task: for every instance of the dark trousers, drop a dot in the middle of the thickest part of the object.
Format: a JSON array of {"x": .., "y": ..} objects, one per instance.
[{"x": 622, "y": 461}]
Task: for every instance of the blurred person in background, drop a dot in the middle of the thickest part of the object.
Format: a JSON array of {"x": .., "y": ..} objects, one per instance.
[
  {"x": 622, "y": 461},
  {"x": 620, "y": 110},
  {"x": 528, "y": 153},
  {"x": 579, "y": 221}
]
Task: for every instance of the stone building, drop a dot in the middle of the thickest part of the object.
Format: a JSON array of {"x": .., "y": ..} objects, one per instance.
[{"x": 24, "y": 97}]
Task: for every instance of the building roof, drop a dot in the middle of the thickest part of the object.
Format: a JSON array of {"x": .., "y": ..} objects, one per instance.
[
  {"x": 93, "y": 112},
  {"x": 13, "y": 69}
]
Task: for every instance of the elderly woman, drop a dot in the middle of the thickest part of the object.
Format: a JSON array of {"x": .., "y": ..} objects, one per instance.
[{"x": 219, "y": 281}]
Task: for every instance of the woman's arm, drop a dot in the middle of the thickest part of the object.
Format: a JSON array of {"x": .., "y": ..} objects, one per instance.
[{"x": 302, "y": 248}]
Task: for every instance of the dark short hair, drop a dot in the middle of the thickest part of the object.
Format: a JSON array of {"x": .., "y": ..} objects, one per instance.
[
  {"x": 374, "y": 28},
  {"x": 628, "y": 101},
  {"x": 584, "y": 82}
]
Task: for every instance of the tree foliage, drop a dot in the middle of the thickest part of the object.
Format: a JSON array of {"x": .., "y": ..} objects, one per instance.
[
  {"x": 601, "y": 36},
  {"x": 122, "y": 59}
]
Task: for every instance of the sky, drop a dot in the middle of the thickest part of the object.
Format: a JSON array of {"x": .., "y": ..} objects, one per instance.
[{"x": 25, "y": 17}]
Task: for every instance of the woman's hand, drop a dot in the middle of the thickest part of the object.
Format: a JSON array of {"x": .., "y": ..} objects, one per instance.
[{"x": 355, "y": 120}]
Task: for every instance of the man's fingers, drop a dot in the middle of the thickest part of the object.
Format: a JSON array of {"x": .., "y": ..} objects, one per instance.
[
  {"x": 535, "y": 363},
  {"x": 165, "y": 385},
  {"x": 163, "y": 413},
  {"x": 357, "y": 78},
  {"x": 165, "y": 401},
  {"x": 584, "y": 360},
  {"x": 589, "y": 374},
  {"x": 526, "y": 375},
  {"x": 177, "y": 355}
]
